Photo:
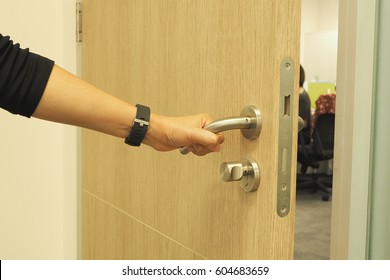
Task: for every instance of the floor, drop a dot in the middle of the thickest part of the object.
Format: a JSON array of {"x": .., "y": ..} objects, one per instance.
[{"x": 312, "y": 226}]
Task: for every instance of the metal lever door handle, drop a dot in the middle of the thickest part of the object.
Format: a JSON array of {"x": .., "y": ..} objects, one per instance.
[
  {"x": 247, "y": 172},
  {"x": 249, "y": 122},
  {"x": 300, "y": 123}
]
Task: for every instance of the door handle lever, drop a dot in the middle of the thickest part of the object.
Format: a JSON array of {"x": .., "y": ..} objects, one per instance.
[
  {"x": 300, "y": 123},
  {"x": 249, "y": 122}
]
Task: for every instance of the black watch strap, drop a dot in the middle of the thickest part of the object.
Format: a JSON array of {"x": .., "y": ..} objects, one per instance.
[{"x": 140, "y": 126}]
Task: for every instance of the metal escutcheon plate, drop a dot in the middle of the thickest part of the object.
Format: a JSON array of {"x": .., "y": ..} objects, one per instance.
[
  {"x": 254, "y": 131},
  {"x": 251, "y": 181}
]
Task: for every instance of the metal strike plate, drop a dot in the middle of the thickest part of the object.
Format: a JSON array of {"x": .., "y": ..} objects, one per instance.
[{"x": 286, "y": 113}]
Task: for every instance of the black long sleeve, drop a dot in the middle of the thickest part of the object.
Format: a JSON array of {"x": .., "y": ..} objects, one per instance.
[{"x": 23, "y": 77}]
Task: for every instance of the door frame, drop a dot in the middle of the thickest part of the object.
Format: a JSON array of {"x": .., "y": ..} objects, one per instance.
[{"x": 353, "y": 131}]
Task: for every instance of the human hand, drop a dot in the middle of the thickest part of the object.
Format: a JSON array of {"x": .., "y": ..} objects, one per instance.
[{"x": 169, "y": 133}]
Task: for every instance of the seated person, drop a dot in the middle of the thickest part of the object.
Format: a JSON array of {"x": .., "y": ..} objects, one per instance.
[{"x": 304, "y": 107}]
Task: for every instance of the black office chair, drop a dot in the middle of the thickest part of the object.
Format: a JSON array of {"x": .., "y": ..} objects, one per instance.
[{"x": 310, "y": 155}]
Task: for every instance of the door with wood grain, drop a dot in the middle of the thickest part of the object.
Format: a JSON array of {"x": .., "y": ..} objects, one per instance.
[{"x": 184, "y": 57}]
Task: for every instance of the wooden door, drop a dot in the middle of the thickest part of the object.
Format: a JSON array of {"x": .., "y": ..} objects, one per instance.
[{"x": 184, "y": 57}]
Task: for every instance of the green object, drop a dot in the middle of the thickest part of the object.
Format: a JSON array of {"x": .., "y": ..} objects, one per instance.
[{"x": 318, "y": 88}]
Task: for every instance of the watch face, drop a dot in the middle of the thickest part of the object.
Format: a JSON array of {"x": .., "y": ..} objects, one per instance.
[{"x": 143, "y": 112}]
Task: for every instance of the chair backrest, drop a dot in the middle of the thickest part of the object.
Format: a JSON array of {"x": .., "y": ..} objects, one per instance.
[
  {"x": 325, "y": 104},
  {"x": 323, "y": 136}
]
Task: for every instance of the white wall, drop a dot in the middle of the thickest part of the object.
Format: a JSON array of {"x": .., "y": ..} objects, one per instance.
[
  {"x": 319, "y": 39},
  {"x": 38, "y": 162}
]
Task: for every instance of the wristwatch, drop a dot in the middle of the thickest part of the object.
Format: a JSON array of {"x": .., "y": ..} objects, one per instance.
[{"x": 140, "y": 126}]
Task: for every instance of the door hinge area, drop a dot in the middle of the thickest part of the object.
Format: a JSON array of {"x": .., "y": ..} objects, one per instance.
[{"x": 79, "y": 22}]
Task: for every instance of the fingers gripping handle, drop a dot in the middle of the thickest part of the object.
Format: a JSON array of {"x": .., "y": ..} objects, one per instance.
[
  {"x": 249, "y": 123},
  {"x": 223, "y": 125}
]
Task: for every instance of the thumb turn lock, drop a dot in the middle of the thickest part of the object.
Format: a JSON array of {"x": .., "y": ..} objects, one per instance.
[{"x": 246, "y": 171}]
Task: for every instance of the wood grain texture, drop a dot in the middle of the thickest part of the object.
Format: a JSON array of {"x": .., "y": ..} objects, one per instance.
[
  {"x": 129, "y": 237},
  {"x": 183, "y": 57}
]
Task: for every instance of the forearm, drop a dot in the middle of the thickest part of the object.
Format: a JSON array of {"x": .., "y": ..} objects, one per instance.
[
  {"x": 30, "y": 85},
  {"x": 68, "y": 99}
]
